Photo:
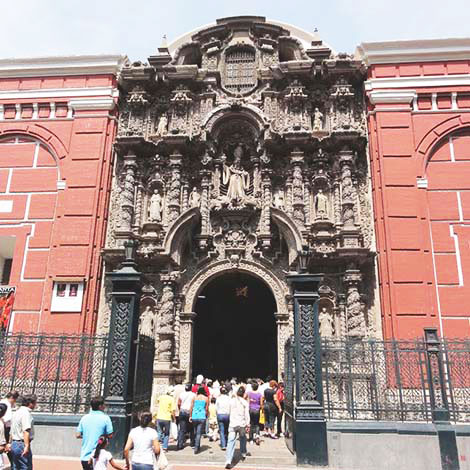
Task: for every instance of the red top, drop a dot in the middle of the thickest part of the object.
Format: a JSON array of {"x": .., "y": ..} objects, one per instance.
[{"x": 196, "y": 387}]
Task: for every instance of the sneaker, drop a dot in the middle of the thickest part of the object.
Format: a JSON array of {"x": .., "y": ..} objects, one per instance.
[
  {"x": 258, "y": 442},
  {"x": 224, "y": 448},
  {"x": 243, "y": 456},
  {"x": 228, "y": 465}
]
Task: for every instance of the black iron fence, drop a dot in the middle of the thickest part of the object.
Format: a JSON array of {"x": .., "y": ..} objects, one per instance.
[
  {"x": 63, "y": 371},
  {"x": 420, "y": 380}
]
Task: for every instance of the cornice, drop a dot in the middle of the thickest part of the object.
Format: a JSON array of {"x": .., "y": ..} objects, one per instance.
[
  {"x": 392, "y": 96},
  {"x": 62, "y": 66},
  {"x": 429, "y": 81},
  {"x": 58, "y": 93},
  {"x": 92, "y": 104},
  {"x": 424, "y": 50}
]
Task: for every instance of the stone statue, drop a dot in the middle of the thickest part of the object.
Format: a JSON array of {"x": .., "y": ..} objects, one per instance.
[
  {"x": 155, "y": 207},
  {"x": 317, "y": 120},
  {"x": 326, "y": 323},
  {"x": 237, "y": 178},
  {"x": 194, "y": 198},
  {"x": 162, "y": 125},
  {"x": 279, "y": 200},
  {"x": 146, "y": 325},
  {"x": 321, "y": 205}
]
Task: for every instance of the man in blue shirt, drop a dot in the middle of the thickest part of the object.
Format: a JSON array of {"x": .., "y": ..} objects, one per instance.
[{"x": 91, "y": 427}]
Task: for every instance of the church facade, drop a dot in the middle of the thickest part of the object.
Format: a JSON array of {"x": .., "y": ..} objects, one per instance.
[{"x": 241, "y": 153}]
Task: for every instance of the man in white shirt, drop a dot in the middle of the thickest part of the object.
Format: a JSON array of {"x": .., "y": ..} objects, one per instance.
[
  {"x": 10, "y": 402},
  {"x": 238, "y": 427},
  {"x": 184, "y": 406},
  {"x": 22, "y": 434}
]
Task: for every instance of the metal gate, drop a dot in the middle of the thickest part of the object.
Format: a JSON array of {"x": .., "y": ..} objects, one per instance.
[
  {"x": 289, "y": 401},
  {"x": 143, "y": 375}
]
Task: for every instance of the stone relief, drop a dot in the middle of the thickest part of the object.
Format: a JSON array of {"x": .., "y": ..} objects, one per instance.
[{"x": 273, "y": 158}]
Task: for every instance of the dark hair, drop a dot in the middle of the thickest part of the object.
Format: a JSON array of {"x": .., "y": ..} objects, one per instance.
[
  {"x": 13, "y": 394},
  {"x": 254, "y": 386},
  {"x": 241, "y": 391},
  {"x": 213, "y": 400},
  {"x": 96, "y": 402},
  {"x": 223, "y": 390},
  {"x": 269, "y": 378},
  {"x": 102, "y": 443},
  {"x": 29, "y": 399},
  {"x": 145, "y": 419},
  {"x": 201, "y": 391},
  {"x": 3, "y": 410},
  {"x": 188, "y": 387}
]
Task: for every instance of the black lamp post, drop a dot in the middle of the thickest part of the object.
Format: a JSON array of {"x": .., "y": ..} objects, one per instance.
[{"x": 123, "y": 331}]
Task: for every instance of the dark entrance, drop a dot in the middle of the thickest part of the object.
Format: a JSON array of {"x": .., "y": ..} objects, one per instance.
[{"x": 235, "y": 332}]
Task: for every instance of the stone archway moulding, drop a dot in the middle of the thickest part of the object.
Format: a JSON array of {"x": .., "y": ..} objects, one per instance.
[
  {"x": 278, "y": 288},
  {"x": 221, "y": 112}
]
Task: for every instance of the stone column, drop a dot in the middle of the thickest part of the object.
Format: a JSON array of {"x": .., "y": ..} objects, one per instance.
[
  {"x": 283, "y": 333},
  {"x": 186, "y": 342},
  {"x": 348, "y": 191},
  {"x": 297, "y": 161},
  {"x": 138, "y": 215},
  {"x": 174, "y": 194},
  {"x": 355, "y": 318},
  {"x": 204, "y": 209},
  {"x": 185, "y": 197},
  {"x": 127, "y": 194},
  {"x": 265, "y": 234}
]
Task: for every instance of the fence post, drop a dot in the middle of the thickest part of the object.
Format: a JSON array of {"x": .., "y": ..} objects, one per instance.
[
  {"x": 120, "y": 365},
  {"x": 439, "y": 401},
  {"x": 310, "y": 423}
]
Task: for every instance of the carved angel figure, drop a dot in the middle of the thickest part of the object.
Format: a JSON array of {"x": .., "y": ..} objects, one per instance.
[
  {"x": 237, "y": 178},
  {"x": 326, "y": 323},
  {"x": 162, "y": 125},
  {"x": 155, "y": 207},
  {"x": 146, "y": 325}
]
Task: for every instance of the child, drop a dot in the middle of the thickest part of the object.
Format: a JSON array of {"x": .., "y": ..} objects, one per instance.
[
  {"x": 102, "y": 457},
  {"x": 212, "y": 420}
]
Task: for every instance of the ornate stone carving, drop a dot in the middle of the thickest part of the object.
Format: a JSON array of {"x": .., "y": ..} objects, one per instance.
[
  {"x": 155, "y": 207},
  {"x": 326, "y": 322},
  {"x": 355, "y": 322},
  {"x": 146, "y": 322}
]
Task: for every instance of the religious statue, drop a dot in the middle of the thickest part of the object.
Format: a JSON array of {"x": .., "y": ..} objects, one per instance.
[
  {"x": 146, "y": 325},
  {"x": 155, "y": 207},
  {"x": 325, "y": 320},
  {"x": 321, "y": 205},
  {"x": 162, "y": 125},
  {"x": 194, "y": 198},
  {"x": 279, "y": 200},
  {"x": 237, "y": 178},
  {"x": 317, "y": 120}
]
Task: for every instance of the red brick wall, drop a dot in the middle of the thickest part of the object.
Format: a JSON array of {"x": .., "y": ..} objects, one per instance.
[
  {"x": 59, "y": 231},
  {"x": 422, "y": 234}
]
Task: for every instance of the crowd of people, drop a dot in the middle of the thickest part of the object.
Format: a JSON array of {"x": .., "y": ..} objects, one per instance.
[{"x": 223, "y": 411}]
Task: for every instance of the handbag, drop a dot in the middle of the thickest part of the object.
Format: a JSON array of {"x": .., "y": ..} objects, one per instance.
[
  {"x": 161, "y": 463},
  {"x": 262, "y": 419}
]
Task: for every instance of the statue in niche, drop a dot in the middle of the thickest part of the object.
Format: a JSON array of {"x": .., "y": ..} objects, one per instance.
[
  {"x": 236, "y": 177},
  {"x": 279, "y": 200},
  {"x": 146, "y": 325},
  {"x": 325, "y": 320},
  {"x": 194, "y": 198},
  {"x": 321, "y": 205},
  {"x": 162, "y": 125},
  {"x": 155, "y": 207},
  {"x": 317, "y": 120}
]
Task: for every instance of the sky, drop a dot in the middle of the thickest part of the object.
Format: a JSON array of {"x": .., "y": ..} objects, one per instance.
[{"x": 135, "y": 28}]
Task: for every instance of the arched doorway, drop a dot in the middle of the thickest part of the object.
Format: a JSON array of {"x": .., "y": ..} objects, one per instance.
[{"x": 235, "y": 333}]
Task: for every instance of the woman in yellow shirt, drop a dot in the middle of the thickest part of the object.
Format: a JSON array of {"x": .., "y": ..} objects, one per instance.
[{"x": 165, "y": 415}]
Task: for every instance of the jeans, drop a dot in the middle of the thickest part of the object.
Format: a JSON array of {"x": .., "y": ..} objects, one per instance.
[
  {"x": 254, "y": 424},
  {"x": 141, "y": 466},
  {"x": 270, "y": 412},
  {"x": 199, "y": 428},
  {"x": 86, "y": 465},
  {"x": 183, "y": 428},
  {"x": 222, "y": 421},
  {"x": 164, "y": 432},
  {"x": 21, "y": 462},
  {"x": 232, "y": 440},
  {"x": 279, "y": 419}
]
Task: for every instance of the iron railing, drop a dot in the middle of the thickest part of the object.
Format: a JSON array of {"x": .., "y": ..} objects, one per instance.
[
  {"x": 63, "y": 371},
  {"x": 396, "y": 380}
]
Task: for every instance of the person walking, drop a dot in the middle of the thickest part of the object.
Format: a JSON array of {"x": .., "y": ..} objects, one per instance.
[
  {"x": 212, "y": 420},
  {"x": 271, "y": 408},
  {"x": 255, "y": 400},
  {"x": 200, "y": 383},
  {"x": 165, "y": 415},
  {"x": 91, "y": 427},
  {"x": 3, "y": 441},
  {"x": 222, "y": 405},
  {"x": 101, "y": 457},
  {"x": 199, "y": 412},
  {"x": 144, "y": 441},
  {"x": 281, "y": 397},
  {"x": 22, "y": 434},
  {"x": 10, "y": 402},
  {"x": 184, "y": 406},
  {"x": 238, "y": 427}
]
